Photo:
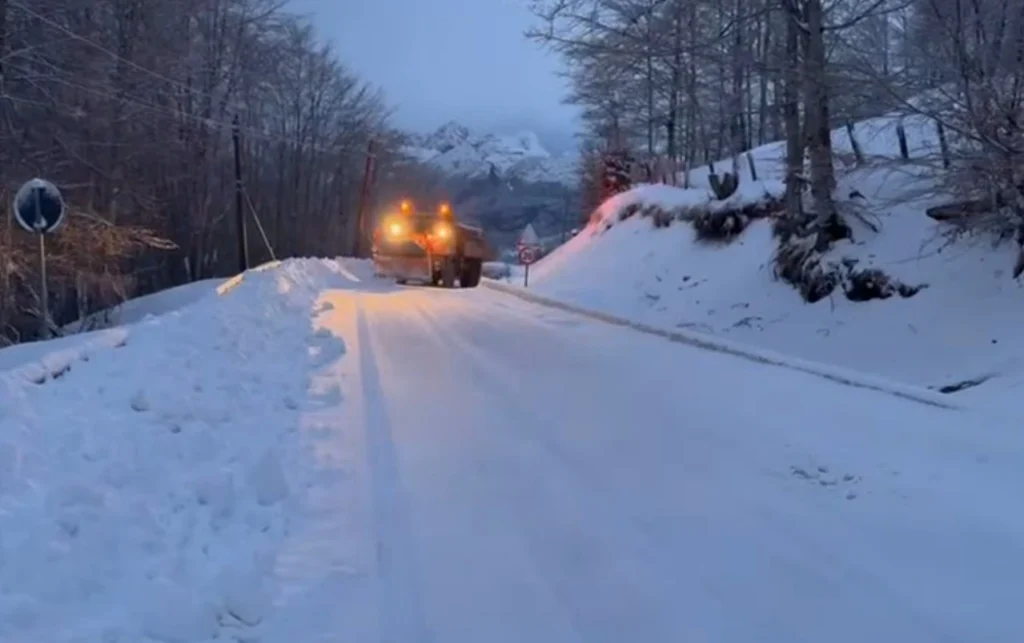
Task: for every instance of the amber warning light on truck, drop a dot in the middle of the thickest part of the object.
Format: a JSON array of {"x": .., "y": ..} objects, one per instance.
[{"x": 442, "y": 231}]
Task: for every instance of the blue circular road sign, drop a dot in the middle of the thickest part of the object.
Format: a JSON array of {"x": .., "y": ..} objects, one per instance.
[{"x": 39, "y": 207}]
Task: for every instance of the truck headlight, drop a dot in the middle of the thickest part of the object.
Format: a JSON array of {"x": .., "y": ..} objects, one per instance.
[
  {"x": 443, "y": 231},
  {"x": 395, "y": 229}
]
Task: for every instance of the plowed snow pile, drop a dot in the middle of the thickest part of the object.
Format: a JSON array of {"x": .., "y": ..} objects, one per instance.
[{"x": 144, "y": 491}]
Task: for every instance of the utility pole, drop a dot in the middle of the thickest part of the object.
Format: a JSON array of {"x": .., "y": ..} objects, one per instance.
[
  {"x": 364, "y": 199},
  {"x": 243, "y": 237}
]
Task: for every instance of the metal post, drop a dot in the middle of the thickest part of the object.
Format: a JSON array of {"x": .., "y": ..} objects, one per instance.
[
  {"x": 526, "y": 277},
  {"x": 243, "y": 236},
  {"x": 364, "y": 200},
  {"x": 44, "y": 291}
]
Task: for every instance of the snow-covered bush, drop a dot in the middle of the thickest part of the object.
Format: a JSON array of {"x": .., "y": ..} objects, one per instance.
[
  {"x": 799, "y": 264},
  {"x": 725, "y": 219},
  {"x": 800, "y": 261},
  {"x": 722, "y": 226},
  {"x": 629, "y": 211},
  {"x": 872, "y": 283}
]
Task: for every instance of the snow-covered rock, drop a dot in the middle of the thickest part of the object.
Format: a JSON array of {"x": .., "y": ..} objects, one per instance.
[{"x": 456, "y": 150}]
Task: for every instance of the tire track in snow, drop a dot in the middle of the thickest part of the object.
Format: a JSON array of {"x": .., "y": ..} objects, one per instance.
[
  {"x": 568, "y": 557},
  {"x": 400, "y": 604},
  {"x": 717, "y": 590}
]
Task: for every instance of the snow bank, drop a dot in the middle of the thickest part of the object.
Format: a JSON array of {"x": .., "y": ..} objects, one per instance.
[
  {"x": 614, "y": 217},
  {"x": 40, "y": 361},
  {"x": 666, "y": 203},
  {"x": 665, "y": 197},
  {"x": 963, "y": 326},
  {"x": 152, "y": 305},
  {"x": 143, "y": 494}
]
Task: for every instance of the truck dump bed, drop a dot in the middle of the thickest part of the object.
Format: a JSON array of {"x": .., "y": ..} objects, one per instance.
[{"x": 475, "y": 243}]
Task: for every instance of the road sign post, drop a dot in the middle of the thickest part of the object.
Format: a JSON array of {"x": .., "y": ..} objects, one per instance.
[
  {"x": 39, "y": 208},
  {"x": 528, "y": 247},
  {"x": 527, "y": 256}
]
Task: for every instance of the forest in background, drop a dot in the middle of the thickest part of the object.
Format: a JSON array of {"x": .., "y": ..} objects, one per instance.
[
  {"x": 685, "y": 82},
  {"x": 127, "y": 105}
]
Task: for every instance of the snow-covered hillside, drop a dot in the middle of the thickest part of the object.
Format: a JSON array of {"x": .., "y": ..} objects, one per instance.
[
  {"x": 964, "y": 326},
  {"x": 455, "y": 150}
]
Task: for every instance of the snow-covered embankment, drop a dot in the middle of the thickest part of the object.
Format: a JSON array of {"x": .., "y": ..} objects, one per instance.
[{"x": 143, "y": 494}]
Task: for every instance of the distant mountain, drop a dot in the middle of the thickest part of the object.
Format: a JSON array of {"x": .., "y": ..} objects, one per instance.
[
  {"x": 457, "y": 151},
  {"x": 558, "y": 138},
  {"x": 501, "y": 182}
]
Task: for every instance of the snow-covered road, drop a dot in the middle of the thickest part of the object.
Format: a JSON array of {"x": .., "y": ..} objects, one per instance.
[
  {"x": 507, "y": 473},
  {"x": 315, "y": 455}
]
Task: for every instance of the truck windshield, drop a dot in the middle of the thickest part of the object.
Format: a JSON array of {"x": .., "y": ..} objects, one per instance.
[{"x": 421, "y": 223}]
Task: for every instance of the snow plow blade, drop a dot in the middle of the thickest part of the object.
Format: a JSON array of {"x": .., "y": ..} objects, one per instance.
[{"x": 402, "y": 269}]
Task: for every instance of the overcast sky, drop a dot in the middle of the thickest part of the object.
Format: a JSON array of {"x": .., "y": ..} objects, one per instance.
[{"x": 441, "y": 60}]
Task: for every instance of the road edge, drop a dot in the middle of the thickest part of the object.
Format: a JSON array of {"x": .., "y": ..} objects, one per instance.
[{"x": 750, "y": 353}]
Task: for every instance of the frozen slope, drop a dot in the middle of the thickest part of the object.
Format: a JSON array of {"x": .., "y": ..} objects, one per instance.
[{"x": 319, "y": 456}]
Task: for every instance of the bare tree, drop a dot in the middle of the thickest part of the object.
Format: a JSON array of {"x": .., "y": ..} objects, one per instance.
[
  {"x": 965, "y": 61},
  {"x": 128, "y": 106},
  {"x": 731, "y": 75}
]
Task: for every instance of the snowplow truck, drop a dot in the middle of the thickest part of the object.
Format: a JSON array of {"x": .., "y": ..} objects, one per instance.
[{"x": 431, "y": 247}]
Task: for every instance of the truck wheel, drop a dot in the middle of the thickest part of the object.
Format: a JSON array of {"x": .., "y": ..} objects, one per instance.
[
  {"x": 448, "y": 273},
  {"x": 472, "y": 269},
  {"x": 401, "y": 282}
]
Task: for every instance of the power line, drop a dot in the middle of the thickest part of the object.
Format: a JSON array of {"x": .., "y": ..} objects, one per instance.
[
  {"x": 112, "y": 54},
  {"x": 24, "y": 101},
  {"x": 168, "y": 111},
  {"x": 186, "y": 88}
]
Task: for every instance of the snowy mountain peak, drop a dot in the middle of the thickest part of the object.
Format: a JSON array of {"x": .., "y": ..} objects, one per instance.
[
  {"x": 446, "y": 137},
  {"x": 458, "y": 151},
  {"x": 529, "y": 141},
  {"x": 511, "y": 148}
]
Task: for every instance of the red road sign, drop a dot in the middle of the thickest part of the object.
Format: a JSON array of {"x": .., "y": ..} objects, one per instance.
[{"x": 527, "y": 255}]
